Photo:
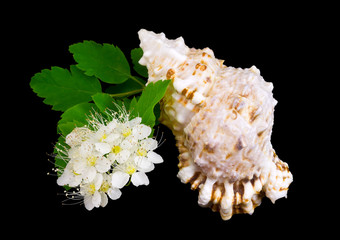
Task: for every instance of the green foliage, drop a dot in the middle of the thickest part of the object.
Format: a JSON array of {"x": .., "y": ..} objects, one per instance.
[
  {"x": 144, "y": 107},
  {"x": 62, "y": 88},
  {"x": 75, "y": 116},
  {"x": 136, "y": 54},
  {"x": 128, "y": 88},
  {"x": 78, "y": 92},
  {"x": 106, "y": 61},
  {"x": 104, "y": 101}
]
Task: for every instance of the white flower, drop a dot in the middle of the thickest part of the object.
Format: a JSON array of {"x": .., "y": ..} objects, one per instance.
[
  {"x": 87, "y": 162},
  {"x": 92, "y": 197},
  {"x": 145, "y": 150},
  {"x": 106, "y": 187},
  {"x": 105, "y": 156},
  {"x": 154, "y": 157},
  {"x": 105, "y": 134},
  {"x": 69, "y": 177},
  {"x": 135, "y": 169},
  {"x": 141, "y": 131},
  {"x": 77, "y": 136}
]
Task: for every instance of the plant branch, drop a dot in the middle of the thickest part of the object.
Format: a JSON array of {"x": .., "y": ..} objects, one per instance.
[
  {"x": 137, "y": 81},
  {"x": 125, "y": 94}
]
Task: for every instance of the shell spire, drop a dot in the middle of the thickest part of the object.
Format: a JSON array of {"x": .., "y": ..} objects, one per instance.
[
  {"x": 169, "y": 52},
  {"x": 222, "y": 119}
]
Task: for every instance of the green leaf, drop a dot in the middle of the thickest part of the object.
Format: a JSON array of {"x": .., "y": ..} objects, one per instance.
[
  {"x": 133, "y": 107},
  {"x": 63, "y": 89},
  {"x": 124, "y": 101},
  {"x": 103, "y": 101},
  {"x": 157, "y": 112},
  {"x": 151, "y": 95},
  {"x": 106, "y": 61},
  {"x": 136, "y": 55},
  {"x": 75, "y": 116},
  {"x": 128, "y": 88}
]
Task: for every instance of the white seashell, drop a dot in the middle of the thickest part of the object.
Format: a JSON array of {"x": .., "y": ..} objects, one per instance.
[{"x": 222, "y": 118}]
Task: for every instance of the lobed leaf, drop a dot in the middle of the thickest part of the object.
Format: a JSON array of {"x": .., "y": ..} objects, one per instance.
[
  {"x": 104, "y": 101},
  {"x": 151, "y": 95},
  {"x": 106, "y": 61},
  {"x": 75, "y": 116},
  {"x": 62, "y": 88},
  {"x": 136, "y": 55}
]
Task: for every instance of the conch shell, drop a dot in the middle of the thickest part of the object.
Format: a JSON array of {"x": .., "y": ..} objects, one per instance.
[{"x": 222, "y": 119}]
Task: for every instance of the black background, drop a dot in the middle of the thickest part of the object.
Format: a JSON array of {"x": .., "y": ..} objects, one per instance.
[{"x": 273, "y": 38}]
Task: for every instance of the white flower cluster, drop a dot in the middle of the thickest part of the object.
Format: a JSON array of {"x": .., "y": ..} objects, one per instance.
[{"x": 103, "y": 160}]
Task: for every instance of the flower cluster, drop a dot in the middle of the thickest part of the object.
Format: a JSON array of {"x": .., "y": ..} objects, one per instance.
[{"x": 105, "y": 156}]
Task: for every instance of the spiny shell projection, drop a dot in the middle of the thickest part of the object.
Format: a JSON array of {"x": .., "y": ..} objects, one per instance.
[{"x": 222, "y": 119}]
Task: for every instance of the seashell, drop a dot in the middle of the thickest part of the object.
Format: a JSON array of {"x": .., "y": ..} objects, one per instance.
[{"x": 222, "y": 119}]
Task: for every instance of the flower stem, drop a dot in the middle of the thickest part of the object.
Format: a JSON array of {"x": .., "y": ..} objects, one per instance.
[
  {"x": 125, "y": 94},
  {"x": 128, "y": 182},
  {"x": 137, "y": 81}
]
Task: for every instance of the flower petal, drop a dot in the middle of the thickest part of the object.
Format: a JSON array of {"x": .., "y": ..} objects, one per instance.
[
  {"x": 102, "y": 148},
  {"x": 103, "y": 164},
  {"x": 123, "y": 156},
  {"x": 154, "y": 157},
  {"x": 88, "y": 202},
  {"x": 79, "y": 166},
  {"x": 119, "y": 179},
  {"x": 89, "y": 174},
  {"x": 149, "y": 144},
  {"x": 98, "y": 180},
  {"x": 111, "y": 125},
  {"x": 104, "y": 199},
  {"x": 114, "y": 193},
  {"x": 144, "y": 164},
  {"x": 65, "y": 178},
  {"x": 139, "y": 178},
  {"x": 135, "y": 122},
  {"x": 86, "y": 149},
  {"x": 126, "y": 144},
  {"x": 96, "y": 199},
  {"x": 112, "y": 137},
  {"x": 77, "y": 136},
  {"x": 141, "y": 131}
]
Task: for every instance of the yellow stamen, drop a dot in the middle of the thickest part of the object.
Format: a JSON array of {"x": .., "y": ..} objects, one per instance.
[
  {"x": 141, "y": 152},
  {"x": 75, "y": 173},
  {"x": 104, "y": 187},
  {"x": 91, "y": 161},
  {"x": 127, "y": 132},
  {"x": 130, "y": 169},
  {"x": 116, "y": 149},
  {"x": 103, "y": 137},
  {"x": 92, "y": 188}
]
